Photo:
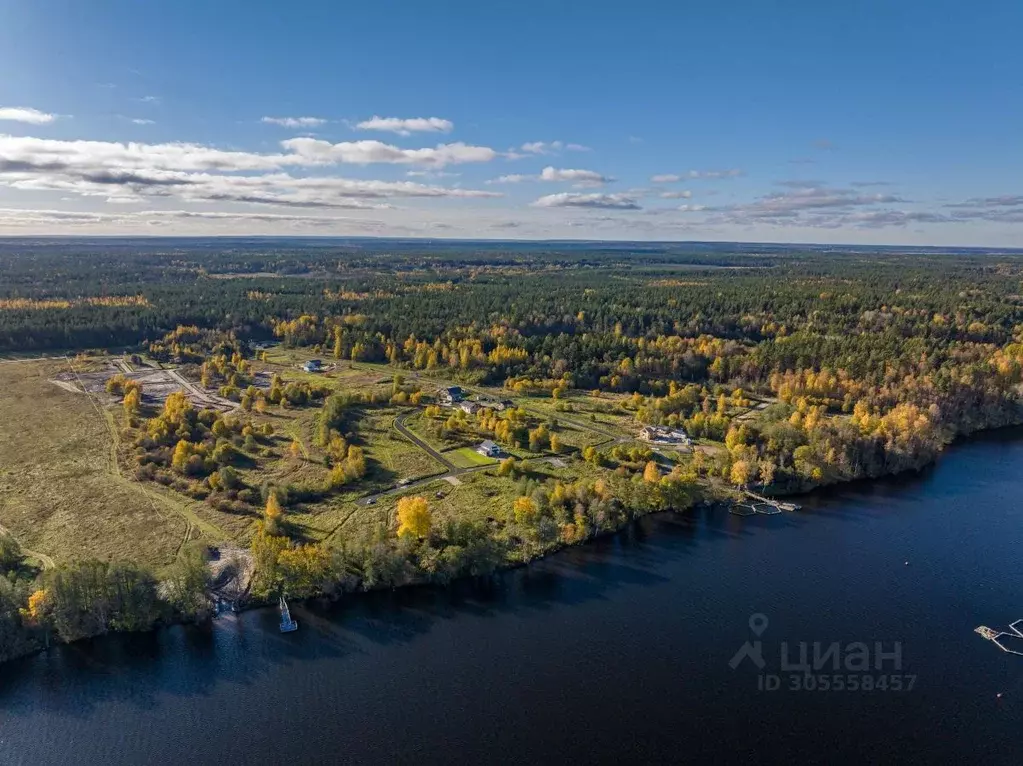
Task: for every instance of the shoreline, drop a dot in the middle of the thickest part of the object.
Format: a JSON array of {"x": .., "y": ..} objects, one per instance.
[{"x": 710, "y": 503}]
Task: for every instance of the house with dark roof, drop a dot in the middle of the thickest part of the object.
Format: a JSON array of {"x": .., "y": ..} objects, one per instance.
[
  {"x": 488, "y": 448},
  {"x": 450, "y": 395}
]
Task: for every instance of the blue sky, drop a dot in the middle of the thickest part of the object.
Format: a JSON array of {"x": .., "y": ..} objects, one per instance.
[{"x": 873, "y": 122}]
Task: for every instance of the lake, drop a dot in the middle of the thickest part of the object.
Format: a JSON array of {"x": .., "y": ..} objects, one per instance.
[{"x": 614, "y": 652}]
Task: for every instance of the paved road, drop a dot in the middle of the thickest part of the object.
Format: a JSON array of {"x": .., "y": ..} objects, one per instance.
[
  {"x": 453, "y": 471},
  {"x": 399, "y": 424},
  {"x": 423, "y": 482}
]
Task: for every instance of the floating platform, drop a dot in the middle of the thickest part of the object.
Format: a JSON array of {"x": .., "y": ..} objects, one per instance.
[
  {"x": 1010, "y": 641},
  {"x": 768, "y": 509},
  {"x": 740, "y": 509}
]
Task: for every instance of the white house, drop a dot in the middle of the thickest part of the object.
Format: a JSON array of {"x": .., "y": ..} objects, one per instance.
[{"x": 488, "y": 448}]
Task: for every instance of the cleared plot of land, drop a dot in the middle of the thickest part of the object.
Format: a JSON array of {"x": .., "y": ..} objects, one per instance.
[
  {"x": 157, "y": 385},
  {"x": 599, "y": 418},
  {"x": 467, "y": 457},
  {"x": 60, "y": 490}
]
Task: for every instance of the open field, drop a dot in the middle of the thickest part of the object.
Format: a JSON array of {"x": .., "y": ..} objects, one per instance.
[
  {"x": 95, "y": 508},
  {"x": 66, "y": 495},
  {"x": 61, "y": 492}
]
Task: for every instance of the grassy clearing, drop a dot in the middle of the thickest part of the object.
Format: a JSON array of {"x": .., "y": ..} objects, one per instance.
[
  {"x": 483, "y": 495},
  {"x": 467, "y": 457},
  {"x": 60, "y": 490},
  {"x": 391, "y": 457}
]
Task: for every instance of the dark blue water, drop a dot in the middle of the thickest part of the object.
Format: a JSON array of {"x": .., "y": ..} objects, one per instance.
[{"x": 615, "y": 652}]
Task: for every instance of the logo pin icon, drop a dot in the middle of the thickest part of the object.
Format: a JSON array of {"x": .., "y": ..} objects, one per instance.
[
  {"x": 758, "y": 624},
  {"x": 753, "y": 650}
]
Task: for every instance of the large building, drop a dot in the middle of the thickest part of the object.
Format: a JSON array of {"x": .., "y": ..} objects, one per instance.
[
  {"x": 662, "y": 435},
  {"x": 450, "y": 395}
]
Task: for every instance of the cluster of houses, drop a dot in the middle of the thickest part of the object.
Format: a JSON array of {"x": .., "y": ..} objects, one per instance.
[
  {"x": 663, "y": 435},
  {"x": 454, "y": 396}
]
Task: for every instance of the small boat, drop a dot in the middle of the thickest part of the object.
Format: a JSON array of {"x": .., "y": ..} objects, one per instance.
[{"x": 288, "y": 625}]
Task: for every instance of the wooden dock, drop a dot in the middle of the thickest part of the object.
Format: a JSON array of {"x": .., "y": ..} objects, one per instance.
[
  {"x": 777, "y": 505},
  {"x": 996, "y": 636}
]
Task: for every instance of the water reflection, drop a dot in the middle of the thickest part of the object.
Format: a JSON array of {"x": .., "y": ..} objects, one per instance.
[{"x": 598, "y": 653}]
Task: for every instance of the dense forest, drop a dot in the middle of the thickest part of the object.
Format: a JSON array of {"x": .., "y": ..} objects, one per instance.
[
  {"x": 865, "y": 361},
  {"x": 911, "y": 349}
]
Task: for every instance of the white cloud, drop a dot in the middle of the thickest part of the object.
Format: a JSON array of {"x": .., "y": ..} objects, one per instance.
[
  {"x": 551, "y": 147},
  {"x": 431, "y": 174},
  {"x": 685, "y": 194},
  {"x": 581, "y": 177},
  {"x": 316, "y": 151},
  {"x": 542, "y": 147},
  {"x": 514, "y": 178},
  {"x": 608, "y": 201},
  {"x": 691, "y": 208},
  {"x": 133, "y": 171},
  {"x": 29, "y": 218},
  {"x": 407, "y": 126},
  {"x": 706, "y": 175},
  {"x": 295, "y": 122},
  {"x": 711, "y": 175},
  {"x": 142, "y": 121},
  {"x": 819, "y": 207},
  {"x": 551, "y": 173},
  {"x": 25, "y": 114}
]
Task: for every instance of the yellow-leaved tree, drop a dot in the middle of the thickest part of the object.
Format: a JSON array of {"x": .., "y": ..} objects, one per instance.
[
  {"x": 742, "y": 472},
  {"x": 651, "y": 472},
  {"x": 273, "y": 514},
  {"x": 132, "y": 401},
  {"x": 413, "y": 517},
  {"x": 525, "y": 510}
]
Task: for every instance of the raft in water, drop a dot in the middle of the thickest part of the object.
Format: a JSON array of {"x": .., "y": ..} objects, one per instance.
[{"x": 1014, "y": 638}]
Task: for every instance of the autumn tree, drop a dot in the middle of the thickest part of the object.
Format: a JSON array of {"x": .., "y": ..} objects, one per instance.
[
  {"x": 413, "y": 517},
  {"x": 525, "y": 510},
  {"x": 651, "y": 472},
  {"x": 273, "y": 514},
  {"x": 741, "y": 473}
]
